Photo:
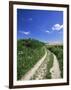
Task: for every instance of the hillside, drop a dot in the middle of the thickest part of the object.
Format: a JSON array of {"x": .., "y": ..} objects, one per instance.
[{"x": 29, "y": 51}]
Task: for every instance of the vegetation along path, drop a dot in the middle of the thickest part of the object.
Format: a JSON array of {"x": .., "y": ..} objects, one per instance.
[
  {"x": 31, "y": 72},
  {"x": 40, "y": 69}
]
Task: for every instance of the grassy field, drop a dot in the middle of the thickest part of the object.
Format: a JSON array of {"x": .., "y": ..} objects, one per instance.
[
  {"x": 58, "y": 51},
  {"x": 29, "y": 51}
]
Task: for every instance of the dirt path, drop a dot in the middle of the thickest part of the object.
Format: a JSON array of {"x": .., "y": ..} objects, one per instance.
[
  {"x": 41, "y": 72},
  {"x": 31, "y": 72},
  {"x": 55, "y": 70},
  {"x": 38, "y": 72}
]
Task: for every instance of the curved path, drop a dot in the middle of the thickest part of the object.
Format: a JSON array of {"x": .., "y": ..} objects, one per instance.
[
  {"x": 55, "y": 70},
  {"x": 38, "y": 72},
  {"x": 41, "y": 72},
  {"x": 31, "y": 72}
]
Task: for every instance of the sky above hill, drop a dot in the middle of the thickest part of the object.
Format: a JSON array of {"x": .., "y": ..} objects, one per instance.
[{"x": 43, "y": 25}]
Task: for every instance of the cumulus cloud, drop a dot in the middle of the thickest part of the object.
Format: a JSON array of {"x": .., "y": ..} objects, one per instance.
[
  {"x": 57, "y": 27},
  {"x": 47, "y": 31},
  {"x": 24, "y": 32}
]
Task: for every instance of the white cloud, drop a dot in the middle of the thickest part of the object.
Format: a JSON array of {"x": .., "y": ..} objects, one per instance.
[
  {"x": 57, "y": 27},
  {"x": 26, "y": 33},
  {"x": 23, "y": 32},
  {"x": 47, "y": 31}
]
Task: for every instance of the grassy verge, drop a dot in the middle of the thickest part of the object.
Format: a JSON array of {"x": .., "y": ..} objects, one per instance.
[
  {"x": 27, "y": 56},
  {"x": 49, "y": 66},
  {"x": 58, "y": 51}
]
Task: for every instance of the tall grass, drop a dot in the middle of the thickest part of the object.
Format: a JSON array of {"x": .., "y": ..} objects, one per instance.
[
  {"x": 28, "y": 56},
  {"x": 50, "y": 59}
]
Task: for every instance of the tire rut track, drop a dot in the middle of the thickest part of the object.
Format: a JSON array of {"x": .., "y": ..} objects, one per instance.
[{"x": 39, "y": 71}]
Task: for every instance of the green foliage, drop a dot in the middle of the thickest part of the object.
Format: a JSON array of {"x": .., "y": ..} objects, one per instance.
[
  {"x": 49, "y": 66},
  {"x": 58, "y": 51},
  {"x": 28, "y": 56}
]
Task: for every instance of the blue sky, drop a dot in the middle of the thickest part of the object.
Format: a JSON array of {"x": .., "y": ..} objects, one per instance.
[{"x": 43, "y": 25}]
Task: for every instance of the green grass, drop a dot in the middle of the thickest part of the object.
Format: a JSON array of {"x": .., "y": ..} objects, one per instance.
[
  {"x": 28, "y": 56},
  {"x": 58, "y": 51},
  {"x": 49, "y": 66}
]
